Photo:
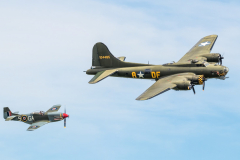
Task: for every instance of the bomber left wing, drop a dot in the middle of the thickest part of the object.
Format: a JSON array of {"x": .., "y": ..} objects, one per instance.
[
  {"x": 165, "y": 84},
  {"x": 37, "y": 125},
  {"x": 200, "y": 50},
  {"x": 54, "y": 108}
]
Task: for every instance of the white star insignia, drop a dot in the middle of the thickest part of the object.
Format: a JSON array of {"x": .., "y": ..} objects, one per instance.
[
  {"x": 140, "y": 75},
  {"x": 204, "y": 44}
]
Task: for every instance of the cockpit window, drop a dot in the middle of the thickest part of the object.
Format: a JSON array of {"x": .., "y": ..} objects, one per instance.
[
  {"x": 206, "y": 64},
  {"x": 199, "y": 65},
  {"x": 147, "y": 71}
]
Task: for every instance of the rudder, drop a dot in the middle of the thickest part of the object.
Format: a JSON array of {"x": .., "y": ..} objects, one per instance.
[{"x": 6, "y": 112}]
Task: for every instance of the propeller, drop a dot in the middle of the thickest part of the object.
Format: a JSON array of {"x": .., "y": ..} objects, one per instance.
[
  {"x": 204, "y": 79},
  {"x": 65, "y": 115},
  {"x": 65, "y": 119},
  {"x": 192, "y": 87},
  {"x": 220, "y": 59}
]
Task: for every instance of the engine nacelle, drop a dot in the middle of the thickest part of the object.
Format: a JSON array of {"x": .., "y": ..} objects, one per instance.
[
  {"x": 213, "y": 57},
  {"x": 184, "y": 85},
  {"x": 196, "y": 79}
]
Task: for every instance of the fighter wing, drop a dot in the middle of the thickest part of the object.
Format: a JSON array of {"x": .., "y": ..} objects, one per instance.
[
  {"x": 37, "y": 125},
  {"x": 101, "y": 75},
  {"x": 203, "y": 47},
  {"x": 54, "y": 108},
  {"x": 163, "y": 85}
]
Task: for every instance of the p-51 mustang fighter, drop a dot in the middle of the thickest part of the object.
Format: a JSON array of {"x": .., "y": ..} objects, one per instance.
[
  {"x": 38, "y": 118},
  {"x": 194, "y": 68}
]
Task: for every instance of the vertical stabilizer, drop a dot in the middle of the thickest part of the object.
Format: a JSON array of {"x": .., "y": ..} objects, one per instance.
[
  {"x": 6, "y": 112},
  {"x": 101, "y": 56}
]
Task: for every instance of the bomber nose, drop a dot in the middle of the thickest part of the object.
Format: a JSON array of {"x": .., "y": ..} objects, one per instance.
[
  {"x": 226, "y": 69},
  {"x": 65, "y": 115}
]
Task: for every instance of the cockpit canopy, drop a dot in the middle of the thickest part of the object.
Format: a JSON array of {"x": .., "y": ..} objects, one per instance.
[{"x": 38, "y": 112}]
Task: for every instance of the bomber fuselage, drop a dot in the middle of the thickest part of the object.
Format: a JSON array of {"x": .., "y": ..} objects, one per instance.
[{"x": 159, "y": 71}]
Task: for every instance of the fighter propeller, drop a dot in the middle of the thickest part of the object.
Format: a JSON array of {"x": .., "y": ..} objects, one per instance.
[{"x": 65, "y": 115}]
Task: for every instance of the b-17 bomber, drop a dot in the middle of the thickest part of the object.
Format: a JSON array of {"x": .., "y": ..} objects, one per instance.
[
  {"x": 36, "y": 119},
  {"x": 194, "y": 68}
]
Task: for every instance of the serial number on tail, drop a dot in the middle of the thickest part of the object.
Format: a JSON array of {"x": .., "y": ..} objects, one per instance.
[{"x": 104, "y": 57}]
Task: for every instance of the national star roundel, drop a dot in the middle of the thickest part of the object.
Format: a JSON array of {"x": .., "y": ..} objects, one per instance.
[
  {"x": 204, "y": 43},
  {"x": 54, "y": 108},
  {"x": 140, "y": 74},
  {"x": 24, "y": 118}
]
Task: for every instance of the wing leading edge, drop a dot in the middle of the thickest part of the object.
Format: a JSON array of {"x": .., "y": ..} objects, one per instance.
[{"x": 163, "y": 85}]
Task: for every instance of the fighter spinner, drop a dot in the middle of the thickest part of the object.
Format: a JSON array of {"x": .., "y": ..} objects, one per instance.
[
  {"x": 38, "y": 118},
  {"x": 192, "y": 69}
]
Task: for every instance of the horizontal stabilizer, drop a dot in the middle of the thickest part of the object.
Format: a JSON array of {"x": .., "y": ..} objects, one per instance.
[
  {"x": 122, "y": 58},
  {"x": 9, "y": 118},
  {"x": 101, "y": 75}
]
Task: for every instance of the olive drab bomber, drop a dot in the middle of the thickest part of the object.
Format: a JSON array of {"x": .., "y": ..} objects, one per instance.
[{"x": 194, "y": 68}]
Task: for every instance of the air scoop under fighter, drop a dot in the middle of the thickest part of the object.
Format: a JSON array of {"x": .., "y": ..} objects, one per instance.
[
  {"x": 36, "y": 119},
  {"x": 194, "y": 68}
]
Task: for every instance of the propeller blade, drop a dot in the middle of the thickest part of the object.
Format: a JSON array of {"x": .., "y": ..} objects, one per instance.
[
  {"x": 64, "y": 110},
  {"x": 203, "y": 85},
  {"x": 64, "y": 122},
  {"x": 220, "y": 59},
  {"x": 193, "y": 90}
]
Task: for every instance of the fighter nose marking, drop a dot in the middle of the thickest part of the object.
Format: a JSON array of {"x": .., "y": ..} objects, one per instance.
[{"x": 65, "y": 115}]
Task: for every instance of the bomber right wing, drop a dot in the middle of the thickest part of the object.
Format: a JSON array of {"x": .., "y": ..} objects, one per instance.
[
  {"x": 163, "y": 85},
  {"x": 101, "y": 75}
]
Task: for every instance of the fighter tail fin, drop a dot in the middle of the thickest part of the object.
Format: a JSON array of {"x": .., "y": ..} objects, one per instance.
[
  {"x": 6, "y": 112},
  {"x": 101, "y": 56}
]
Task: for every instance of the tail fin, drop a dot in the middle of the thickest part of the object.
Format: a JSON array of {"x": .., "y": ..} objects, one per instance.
[
  {"x": 6, "y": 112},
  {"x": 101, "y": 56}
]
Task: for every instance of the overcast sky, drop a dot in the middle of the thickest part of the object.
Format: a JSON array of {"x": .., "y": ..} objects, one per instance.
[{"x": 46, "y": 46}]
